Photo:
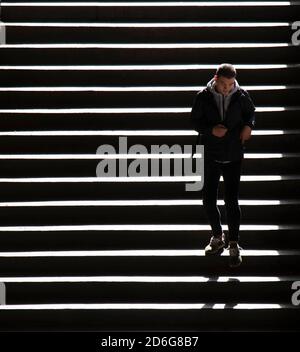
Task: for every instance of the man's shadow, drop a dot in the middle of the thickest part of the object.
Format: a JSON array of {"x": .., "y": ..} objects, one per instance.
[{"x": 226, "y": 304}]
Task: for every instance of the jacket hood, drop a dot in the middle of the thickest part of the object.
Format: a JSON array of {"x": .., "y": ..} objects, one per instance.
[
  {"x": 221, "y": 101},
  {"x": 211, "y": 87}
]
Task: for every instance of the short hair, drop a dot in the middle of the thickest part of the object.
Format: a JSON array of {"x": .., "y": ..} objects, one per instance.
[{"x": 226, "y": 70}]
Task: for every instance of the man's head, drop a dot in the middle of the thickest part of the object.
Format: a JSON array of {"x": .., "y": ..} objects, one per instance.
[{"x": 225, "y": 78}]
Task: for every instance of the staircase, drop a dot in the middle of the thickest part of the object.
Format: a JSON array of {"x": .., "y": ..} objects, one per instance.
[{"x": 80, "y": 252}]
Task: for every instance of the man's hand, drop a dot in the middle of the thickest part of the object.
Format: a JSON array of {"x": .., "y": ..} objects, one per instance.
[
  {"x": 219, "y": 130},
  {"x": 245, "y": 134}
]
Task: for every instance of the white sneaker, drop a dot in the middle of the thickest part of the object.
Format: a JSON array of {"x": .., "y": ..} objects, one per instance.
[
  {"x": 235, "y": 258},
  {"x": 216, "y": 245}
]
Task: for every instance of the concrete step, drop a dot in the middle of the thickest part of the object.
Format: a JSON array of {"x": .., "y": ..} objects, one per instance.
[
  {"x": 95, "y": 188},
  {"x": 129, "y": 54},
  {"x": 148, "y": 236},
  {"x": 107, "y": 97},
  {"x": 149, "y": 289},
  {"x": 141, "y": 75},
  {"x": 151, "y": 262},
  {"x": 56, "y": 165},
  {"x": 139, "y": 212},
  {"x": 144, "y": 317},
  {"x": 149, "y": 11},
  {"x": 287, "y": 117},
  {"x": 139, "y": 32},
  {"x": 87, "y": 142}
]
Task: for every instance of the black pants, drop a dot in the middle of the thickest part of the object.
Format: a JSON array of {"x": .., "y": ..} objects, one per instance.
[{"x": 231, "y": 175}]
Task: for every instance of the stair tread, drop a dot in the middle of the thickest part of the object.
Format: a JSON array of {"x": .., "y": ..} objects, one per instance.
[
  {"x": 146, "y": 202},
  {"x": 169, "y": 133},
  {"x": 149, "y": 179},
  {"x": 149, "y": 279},
  {"x": 137, "y": 88},
  {"x": 142, "y": 253},
  {"x": 134, "y": 25},
  {"x": 145, "y": 67},
  {"x": 145, "y": 306},
  {"x": 56, "y": 157},
  {"x": 147, "y": 45}
]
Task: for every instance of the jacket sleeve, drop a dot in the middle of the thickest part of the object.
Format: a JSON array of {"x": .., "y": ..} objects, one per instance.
[
  {"x": 248, "y": 110},
  {"x": 197, "y": 115}
]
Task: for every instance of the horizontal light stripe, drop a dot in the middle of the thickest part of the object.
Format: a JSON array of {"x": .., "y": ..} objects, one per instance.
[
  {"x": 137, "y": 179},
  {"x": 145, "y": 67},
  {"x": 142, "y": 279},
  {"x": 102, "y": 133},
  {"x": 135, "y": 88},
  {"x": 135, "y": 156},
  {"x": 140, "y": 253},
  {"x": 97, "y": 156},
  {"x": 267, "y": 155},
  {"x": 130, "y": 110},
  {"x": 277, "y": 108},
  {"x": 146, "y": 46},
  {"x": 138, "y": 227},
  {"x": 273, "y": 132},
  {"x": 143, "y": 228},
  {"x": 154, "y": 4},
  {"x": 135, "y": 133},
  {"x": 98, "y": 111},
  {"x": 122, "y": 203},
  {"x": 131, "y": 306},
  {"x": 107, "y": 179},
  {"x": 148, "y": 25}
]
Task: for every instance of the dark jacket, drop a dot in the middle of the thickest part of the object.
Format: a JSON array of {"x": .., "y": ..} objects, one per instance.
[{"x": 205, "y": 115}]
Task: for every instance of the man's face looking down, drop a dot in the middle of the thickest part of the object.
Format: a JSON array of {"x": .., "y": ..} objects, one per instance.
[{"x": 224, "y": 85}]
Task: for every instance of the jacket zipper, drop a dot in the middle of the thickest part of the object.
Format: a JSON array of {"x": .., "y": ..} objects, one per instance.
[{"x": 223, "y": 108}]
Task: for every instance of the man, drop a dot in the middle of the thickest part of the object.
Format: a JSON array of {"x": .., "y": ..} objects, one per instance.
[{"x": 223, "y": 114}]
